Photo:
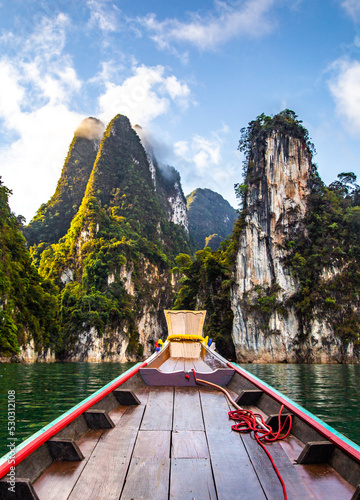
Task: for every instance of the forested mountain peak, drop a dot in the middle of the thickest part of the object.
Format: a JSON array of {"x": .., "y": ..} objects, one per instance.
[
  {"x": 211, "y": 217},
  {"x": 53, "y": 218}
]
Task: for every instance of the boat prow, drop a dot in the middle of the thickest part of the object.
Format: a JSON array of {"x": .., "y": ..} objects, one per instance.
[{"x": 157, "y": 432}]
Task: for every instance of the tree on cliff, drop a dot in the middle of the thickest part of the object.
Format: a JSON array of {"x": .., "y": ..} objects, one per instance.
[
  {"x": 330, "y": 243},
  {"x": 27, "y": 304},
  {"x": 321, "y": 251}
]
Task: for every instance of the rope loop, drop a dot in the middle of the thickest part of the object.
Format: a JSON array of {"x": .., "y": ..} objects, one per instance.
[{"x": 248, "y": 421}]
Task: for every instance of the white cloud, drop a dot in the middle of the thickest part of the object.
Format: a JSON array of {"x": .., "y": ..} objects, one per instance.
[
  {"x": 146, "y": 94},
  {"x": 209, "y": 30},
  {"x": 181, "y": 149},
  {"x": 206, "y": 162},
  {"x": 32, "y": 164},
  {"x": 34, "y": 108},
  {"x": 352, "y": 7},
  {"x": 103, "y": 15},
  {"x": 39, "y": 92},
  {"x": 201, "y": 152},
  {"x": 345, "y": 89}
]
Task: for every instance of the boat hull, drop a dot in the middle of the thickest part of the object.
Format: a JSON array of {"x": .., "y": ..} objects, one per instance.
[{"x": 147, "y": 437}]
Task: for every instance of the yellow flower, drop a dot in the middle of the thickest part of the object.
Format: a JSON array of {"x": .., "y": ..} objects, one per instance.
[{"x": 188, "y": 338}]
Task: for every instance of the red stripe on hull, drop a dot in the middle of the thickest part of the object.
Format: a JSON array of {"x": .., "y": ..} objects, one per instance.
[
  {"x": 294, "y": 409},
  {"x": 39, "y": 440}
]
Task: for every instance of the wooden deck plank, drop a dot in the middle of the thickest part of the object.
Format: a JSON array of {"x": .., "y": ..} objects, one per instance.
[
  {"x": 104, "y": 474},
  {"x": 142, "y": 394},
  {"x": 235, "y": 477},
  {"x": 191, "y": 478},
  {"x": 147, "y": 479},
  {"x": 295, "y": 486},
  {"x": 187, "y": 410},
  {"x": 152, "y": 444},
  {"x": 201, "y": 366},
  {"x": 170, "y": 365},
  {"x": 189, "y": 444},
  {"x": 188, "y": 364},
  {"x": 159, "y": 410},
  {"x": 59, "y": 479},
  {"x": 322, "y": 480}
]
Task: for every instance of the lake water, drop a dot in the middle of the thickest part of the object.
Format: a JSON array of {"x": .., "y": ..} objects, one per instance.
[
  {"x": 45, "y": 391},
  {"x": 331, "y": 392}
]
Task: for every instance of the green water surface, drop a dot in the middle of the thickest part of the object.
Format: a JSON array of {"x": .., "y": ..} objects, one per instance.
[
  {"x": 45, "y": 391},
  {"x": 331, "y": 392}
]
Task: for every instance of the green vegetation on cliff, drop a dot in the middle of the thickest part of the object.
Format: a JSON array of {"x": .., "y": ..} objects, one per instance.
[
  {"x": 53, "y": 219},
  {"x": 323, "y": 253},
  {"x": 211, "y": 218},
  {"x": 120, "y": 239},
  {"x": 27, "y": 302},
  {"x": 325, "y": 257},
  {"x": 206, "y": 282}
]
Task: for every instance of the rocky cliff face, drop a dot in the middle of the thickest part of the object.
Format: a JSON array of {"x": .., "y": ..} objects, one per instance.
[
  {"x": 113, "y": 266},
  {"x": 167, "y": 183},
  {"x": 267, "y": 327}
]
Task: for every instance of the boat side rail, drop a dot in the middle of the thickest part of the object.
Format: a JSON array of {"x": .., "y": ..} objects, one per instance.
[
  {"x": 39, "y": 438},
  {"x": 332, "y": 435}
]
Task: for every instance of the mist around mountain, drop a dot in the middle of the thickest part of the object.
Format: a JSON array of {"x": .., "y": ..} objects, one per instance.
[{"x": 103, "y": 247}]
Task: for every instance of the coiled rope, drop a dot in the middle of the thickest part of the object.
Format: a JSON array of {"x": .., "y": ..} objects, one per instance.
[{"x": 248, "y": 421}]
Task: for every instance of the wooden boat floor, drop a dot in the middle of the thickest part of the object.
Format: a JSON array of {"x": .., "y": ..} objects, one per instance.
[
  {"x": 178, "y": 444},
  {"x": 185, "y": 364}
]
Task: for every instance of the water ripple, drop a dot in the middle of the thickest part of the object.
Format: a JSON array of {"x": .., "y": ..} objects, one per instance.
[
  {"x": 45, "y": 391},
  {"x": 331, "y": 392}
]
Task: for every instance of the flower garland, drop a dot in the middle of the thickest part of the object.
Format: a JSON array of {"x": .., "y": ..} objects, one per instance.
[{"x": 186, "y": 338}]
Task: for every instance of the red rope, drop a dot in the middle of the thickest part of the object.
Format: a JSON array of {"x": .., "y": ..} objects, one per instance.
[
  {"x": 248, "y": 422},
  {"x": 254, "y": 422}
]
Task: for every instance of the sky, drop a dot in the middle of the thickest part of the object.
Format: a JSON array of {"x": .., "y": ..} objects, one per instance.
[{"x": 191, "y": 73}]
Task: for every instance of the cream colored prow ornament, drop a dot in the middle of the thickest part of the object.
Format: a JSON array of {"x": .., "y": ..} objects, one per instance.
[{"x": 185, "y": 333}]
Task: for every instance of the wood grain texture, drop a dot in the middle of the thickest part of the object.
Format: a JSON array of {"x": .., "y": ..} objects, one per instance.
[
  {"x": 59, "y": 479},
  {"x": 24, "y": 490},
  {"x": 105, "y": 472},
  {"x": 159, "y": 410},
  {"x": 147, "y": 479},
  {"x": 189, "y": 444},
  {"x": 125, "y": 397},
  {"x": 64, "y": 449},
  {"x": 152, "y": 444},
  {"x": 201, "y": 367},
  {"x": 98, "y": 419},
  {"x": 295, "y": 486},
  {"x": 187, "y": 410},
  {"x": 191, "y": 478},
  {"x": 234, "y": 474},
  {"x": 316, "y": 452}
]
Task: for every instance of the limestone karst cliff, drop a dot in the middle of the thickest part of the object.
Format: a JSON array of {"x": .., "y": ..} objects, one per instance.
[
  {"x": 113, "y": 264},
  {"x": 285, "y": 285},
  {"x": 281, "y": 312},
  {"x": 104, "y": 246},
  {"x": 113, "y": 249}
]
